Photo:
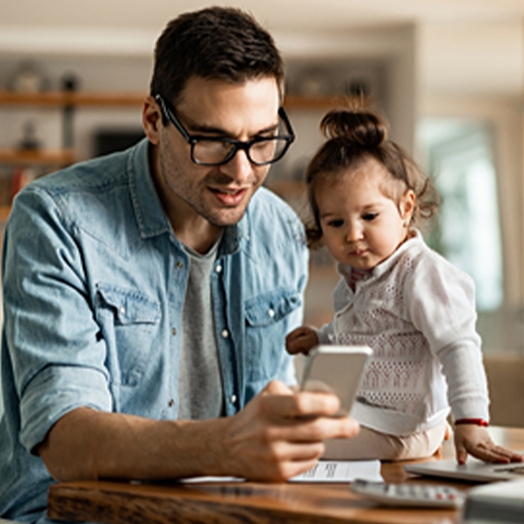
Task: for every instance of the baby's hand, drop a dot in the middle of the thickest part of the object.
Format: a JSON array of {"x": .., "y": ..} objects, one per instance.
[
  {"x": 475, "y": 440},
  {"x": 301, "y": 340}
]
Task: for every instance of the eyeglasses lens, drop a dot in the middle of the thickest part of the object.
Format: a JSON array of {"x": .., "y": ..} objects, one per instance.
[{"x": 263, "y": 151}]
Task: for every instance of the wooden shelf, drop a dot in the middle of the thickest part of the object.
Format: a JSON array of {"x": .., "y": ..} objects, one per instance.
[
  {"x": 313, "y": 102},
  {"x": 56, "y": 99},
  {"x": 41, "y": 157},
  {"x": 126, "y": 99}
]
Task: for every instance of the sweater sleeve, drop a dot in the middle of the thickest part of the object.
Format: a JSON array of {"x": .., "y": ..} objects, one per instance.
[
  {"x": 326, "y": 334},
  {"x": 441, "y": 304}
]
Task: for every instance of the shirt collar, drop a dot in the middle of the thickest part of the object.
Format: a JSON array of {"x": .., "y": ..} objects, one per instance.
[
  {"x": 150, "y": 216},
  {"x": 415, "y": 237},
  {"x": 235, "y": 235}
]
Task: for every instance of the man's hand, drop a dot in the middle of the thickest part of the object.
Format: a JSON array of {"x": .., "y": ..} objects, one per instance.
[
  {"x": 301, "y": 340},
  {"x": 276, "y": 436},
  {"x": 279, "y": 435},
  {"x": 475, "y": 440}
]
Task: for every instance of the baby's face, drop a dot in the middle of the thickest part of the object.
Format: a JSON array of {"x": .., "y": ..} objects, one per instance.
[{"x": 360, "y": 224}]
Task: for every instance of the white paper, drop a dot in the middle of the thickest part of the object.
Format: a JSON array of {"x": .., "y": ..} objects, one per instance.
[
  {"x": 342, "y": 471},
  {"x": 201, "y": 480},
  {"x": 324, "y": 471}
]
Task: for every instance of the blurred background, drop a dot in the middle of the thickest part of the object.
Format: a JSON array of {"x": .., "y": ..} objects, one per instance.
[{"x": 447, "y": 74}]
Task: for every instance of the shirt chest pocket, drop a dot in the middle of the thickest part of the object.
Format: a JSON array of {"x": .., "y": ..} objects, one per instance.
[
  {"x": 129, "y": 322},
  {"x": 268, "y": 320}
]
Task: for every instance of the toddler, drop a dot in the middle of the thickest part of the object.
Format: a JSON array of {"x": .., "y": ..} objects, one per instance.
[{"x": 412, "y": 307}]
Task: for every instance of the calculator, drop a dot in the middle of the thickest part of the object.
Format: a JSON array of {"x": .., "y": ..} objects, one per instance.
[{"x": 410, "y": 494}]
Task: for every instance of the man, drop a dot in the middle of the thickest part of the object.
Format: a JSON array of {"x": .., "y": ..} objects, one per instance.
[{"x": 148, "y": 293}]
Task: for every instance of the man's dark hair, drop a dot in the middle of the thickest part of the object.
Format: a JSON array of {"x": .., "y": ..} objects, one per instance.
[{"x": 220, "y": 43}]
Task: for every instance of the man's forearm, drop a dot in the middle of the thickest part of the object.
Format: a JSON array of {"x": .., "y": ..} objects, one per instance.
[{"x": 88, "y": 444}]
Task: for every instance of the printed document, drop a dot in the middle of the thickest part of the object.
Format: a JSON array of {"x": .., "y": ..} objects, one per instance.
[
  {"x": 342, "y": 471},
  {"x": 324, "y": 471}
]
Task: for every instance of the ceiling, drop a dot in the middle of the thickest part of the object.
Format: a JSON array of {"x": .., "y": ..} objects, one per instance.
[
  {"x": 304, "y": 15},
  {"x": 473, "y": 45}
]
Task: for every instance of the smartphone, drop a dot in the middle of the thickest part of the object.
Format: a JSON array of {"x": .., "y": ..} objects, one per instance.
[{"x": 338, "y": 370}]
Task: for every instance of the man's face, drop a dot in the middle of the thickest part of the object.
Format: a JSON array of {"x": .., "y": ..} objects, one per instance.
[{"x": 219, "y": 194}]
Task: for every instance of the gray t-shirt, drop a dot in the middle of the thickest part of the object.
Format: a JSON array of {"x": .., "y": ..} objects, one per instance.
[{"x": 200, "y": 379}]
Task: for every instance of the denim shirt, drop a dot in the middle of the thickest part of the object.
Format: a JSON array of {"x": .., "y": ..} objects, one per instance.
[{"x": 94, "y": 282}]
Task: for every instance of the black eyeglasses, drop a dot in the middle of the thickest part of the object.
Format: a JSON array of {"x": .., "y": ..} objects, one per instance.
[{"x": 215, "y": 151}]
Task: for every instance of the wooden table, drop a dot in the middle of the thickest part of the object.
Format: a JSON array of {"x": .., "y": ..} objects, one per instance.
[{"x": 257, "y": 503}]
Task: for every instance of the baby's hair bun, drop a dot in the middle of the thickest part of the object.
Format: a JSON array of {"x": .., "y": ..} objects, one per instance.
[
  {"x": 355, "y": 124},
  {"x": 356, "y": 135}
]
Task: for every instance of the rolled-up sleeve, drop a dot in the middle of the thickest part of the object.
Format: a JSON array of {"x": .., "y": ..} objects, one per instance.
[{"x": 53, "y": 340}]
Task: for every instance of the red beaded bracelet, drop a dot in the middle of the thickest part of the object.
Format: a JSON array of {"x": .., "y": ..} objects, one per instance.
[{"x": 476, "y": 421}]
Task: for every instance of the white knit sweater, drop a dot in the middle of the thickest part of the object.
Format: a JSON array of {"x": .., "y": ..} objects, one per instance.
[{"x": 417, "y": 312}]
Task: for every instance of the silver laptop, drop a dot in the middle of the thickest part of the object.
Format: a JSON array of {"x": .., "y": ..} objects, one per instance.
[{"x": 474, "y": 470}]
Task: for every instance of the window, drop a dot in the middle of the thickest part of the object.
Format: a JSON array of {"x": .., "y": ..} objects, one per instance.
[
  {"x": 460, "y": 156},
  {"x": 476, "y": 163}
]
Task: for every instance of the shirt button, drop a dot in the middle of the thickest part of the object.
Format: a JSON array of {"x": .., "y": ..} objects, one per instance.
[
  {"x": 271, "y": 313},
  {"x": 233, "y": 399},
  {"x": 225, "y": 333},
  {"x": 123, "y": 310},
  {"x": 179, "y": 265},
  {"x": 173, "y": 331},
  {"x": 218, "y": 268},
  {"x": 171, "y": 403}
]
